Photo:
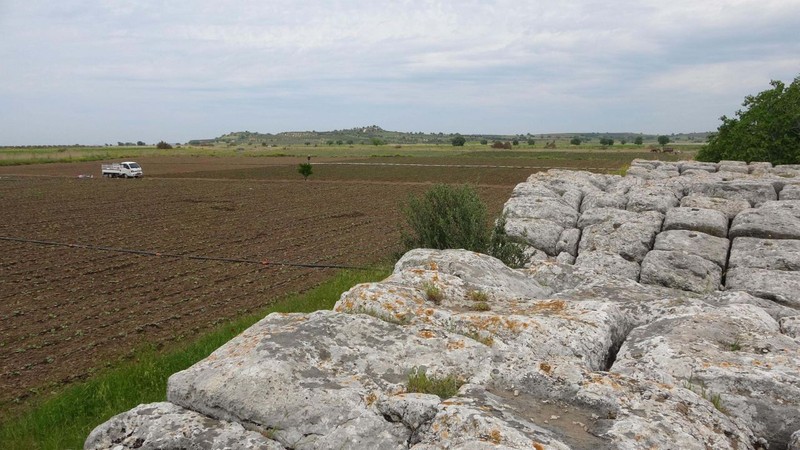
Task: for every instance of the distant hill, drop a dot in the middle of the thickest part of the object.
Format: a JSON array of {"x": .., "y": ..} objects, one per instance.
[{"x": 373, "y": 133}]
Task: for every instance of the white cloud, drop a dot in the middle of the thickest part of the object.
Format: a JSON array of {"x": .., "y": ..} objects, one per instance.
[{"x": 368, "y": 54}]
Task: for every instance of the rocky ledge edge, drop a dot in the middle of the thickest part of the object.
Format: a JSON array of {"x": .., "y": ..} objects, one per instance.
[{"x": 558, "y": 355}]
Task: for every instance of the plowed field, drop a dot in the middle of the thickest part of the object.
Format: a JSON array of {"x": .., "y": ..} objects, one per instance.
[{"x": 66, "y": 311}]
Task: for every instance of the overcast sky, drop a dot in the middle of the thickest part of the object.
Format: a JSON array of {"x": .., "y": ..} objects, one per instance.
[{"x": 93, "y": 72}]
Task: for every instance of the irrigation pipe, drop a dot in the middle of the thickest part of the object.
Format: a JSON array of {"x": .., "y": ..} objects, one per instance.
[{"x": 179, "y": 256}]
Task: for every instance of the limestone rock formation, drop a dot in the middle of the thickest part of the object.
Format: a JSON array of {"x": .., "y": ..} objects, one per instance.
[{"x": 643, "y": 320}]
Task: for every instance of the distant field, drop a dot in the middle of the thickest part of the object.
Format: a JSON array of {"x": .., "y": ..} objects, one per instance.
[
  {"x": 65, "y": 312},
  {"x": 39, "y": 155}
]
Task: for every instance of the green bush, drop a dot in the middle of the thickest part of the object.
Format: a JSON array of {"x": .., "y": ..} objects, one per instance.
[
  {"x": 505, "y": 248},
  {"x": 446, "y": 217},
  {"x": 768, "y": 129},
  {"x": 454, "y": 217}
]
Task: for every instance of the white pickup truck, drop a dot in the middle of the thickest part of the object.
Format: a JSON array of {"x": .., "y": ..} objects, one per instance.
[{"x": 125, "y": 169}]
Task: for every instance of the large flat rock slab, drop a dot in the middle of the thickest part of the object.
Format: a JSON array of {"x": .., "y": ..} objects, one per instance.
[
  {"x": 157, "y": 426},
  {"x": 755, "y": 192},
  {"x": 771, "y": 254},
  {"x": 680, "y": 270},
  {"x": 735, "y": 356},
  {"x": 630, "y": 237},
  {"x": 704, "y": 220},
  {"x": 555, "y": 210},
  {"x": 778, "y": 285},
  {"x": 712, "y": 248},
  {"x": 309, "y": 377},
  {"x": 773, "y": 220},
  {"x": 727, "y": 206}
]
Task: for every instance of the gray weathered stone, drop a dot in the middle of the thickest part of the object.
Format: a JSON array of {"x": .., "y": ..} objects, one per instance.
[
  {"x": 481, "y": 271},
  {"x": 684, "y": 166},
  {"x": 778, "y": 285},
  {"x": 707, "y": 221},
  {"x": 760, "y": 168},
  {"x": 729, "y": 207},
  {"x": 631, "y": 238},
  {"x": 649, "y": 174},
  {"x": 790, "y": 326},
  {"x": 786, "y": 171},
  {"x": 756, "y": 192},
  {"x": 712, "y": 248},
  {"x": 310, "y": 377},
  {"x": 603, "y": 200},
  {"x": 790, "y": 192},
  {"x": 599, "y": 215},
  {"x": 157, "y": 426},
  {"x": 539, "y": 233},
  {"x": 773, "y": 220},
  {"x": 733, "y": 166},
  {"x": 652, "y": 198},
  {"x": 734, "y": 356},
  {"x": 565, "y": 258},
  {"x": 568, "y": 241},
  {"x": 772, "y": 254},
  {"x": 533, "y": 189},
  {"x": 724, "y": 298},
  {"x": 680, "y": 270},
  {"x": 555, "y": 210},
  {"x": 794, "y": 441},
  {"x": 608, "y": 263}
]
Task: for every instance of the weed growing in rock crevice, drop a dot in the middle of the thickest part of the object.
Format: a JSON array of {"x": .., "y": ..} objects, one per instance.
[
  {"x": 443, "y": 387},
  {"x": 454, "y": 217},
  {"x": 433, "y": 293},
  {"x": 699, "y": 389}
]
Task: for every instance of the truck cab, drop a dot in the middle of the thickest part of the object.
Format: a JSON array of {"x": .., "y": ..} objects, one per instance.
[{"x": 125, "y": 169}]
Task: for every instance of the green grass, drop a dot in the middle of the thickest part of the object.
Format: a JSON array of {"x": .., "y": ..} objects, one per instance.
[
  {"x": 433, "y": 293},
  {"x": 64, "y": 420},
  {"x": 444, "y": 387}
]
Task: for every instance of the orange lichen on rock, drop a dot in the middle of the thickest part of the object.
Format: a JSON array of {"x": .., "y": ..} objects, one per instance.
[
  {"x": 552, "y": 306},
  {"x": 495, "y": 437},
  {"x": 370, "y": 398},
  {"x": 426, "y": 334},
  {"x": 545, "y": 367},
  {"x": 455, "y": 345}
]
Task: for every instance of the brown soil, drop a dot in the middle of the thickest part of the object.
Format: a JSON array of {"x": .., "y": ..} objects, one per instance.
[{"x": 67, "y": 311}]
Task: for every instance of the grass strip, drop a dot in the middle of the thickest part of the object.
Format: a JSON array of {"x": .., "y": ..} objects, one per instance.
[{"x": 64, "y": 420}]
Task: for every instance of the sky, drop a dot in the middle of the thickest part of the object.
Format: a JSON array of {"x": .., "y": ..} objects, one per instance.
[{"x": 94, "y": 72}]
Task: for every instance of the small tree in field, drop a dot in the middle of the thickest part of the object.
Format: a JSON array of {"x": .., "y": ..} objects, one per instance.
[
  {"x": 458, "y": 141},
  {"x": 663, "y": 140},
  {"x": 163, "y": 146},
  {"x": 638, "y": 140},
  {"x": 305, "y": 170},
  {"x": 575, "y": 141}
]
